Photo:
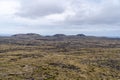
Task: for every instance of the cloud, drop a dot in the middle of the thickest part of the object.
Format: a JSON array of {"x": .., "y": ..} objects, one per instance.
[
  {"x": 88, "y": 12},
  {"x": 75, "y": 12},
  {"x": 40, "y": 8},
  {"x": 55, "y": 16},
  {"x": 8, "y": 7}
]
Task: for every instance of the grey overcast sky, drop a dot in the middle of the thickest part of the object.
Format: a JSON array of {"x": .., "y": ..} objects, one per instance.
[{"x": 47, "y": 17}]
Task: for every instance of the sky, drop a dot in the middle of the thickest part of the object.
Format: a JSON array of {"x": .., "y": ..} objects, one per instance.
[{"x": 48, "y": 17}]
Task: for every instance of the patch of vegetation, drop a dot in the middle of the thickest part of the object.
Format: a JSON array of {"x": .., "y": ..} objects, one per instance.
[{"x": 65, "y": 59}]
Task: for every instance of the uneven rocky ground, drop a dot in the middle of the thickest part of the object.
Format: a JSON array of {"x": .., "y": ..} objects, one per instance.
[{"x": 82, "y": 58}]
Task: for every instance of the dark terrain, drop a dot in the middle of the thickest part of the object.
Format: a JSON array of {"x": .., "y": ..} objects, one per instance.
[{"x": 59, "y": 57}]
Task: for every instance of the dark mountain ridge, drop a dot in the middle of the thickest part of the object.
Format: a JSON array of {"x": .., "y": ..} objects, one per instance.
[{"x": 61, "y": 40}]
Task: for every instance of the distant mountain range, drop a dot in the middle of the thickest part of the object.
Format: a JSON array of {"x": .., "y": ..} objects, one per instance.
[
  {"x": 38, "y": 35},
  {"x": 74, "y": 41}
]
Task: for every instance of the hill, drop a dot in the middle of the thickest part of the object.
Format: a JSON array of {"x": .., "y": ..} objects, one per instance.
[{"x": 72, "y": 41}]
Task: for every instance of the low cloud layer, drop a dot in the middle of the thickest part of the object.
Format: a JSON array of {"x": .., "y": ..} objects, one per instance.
[{"x": 69, "y": 16}]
